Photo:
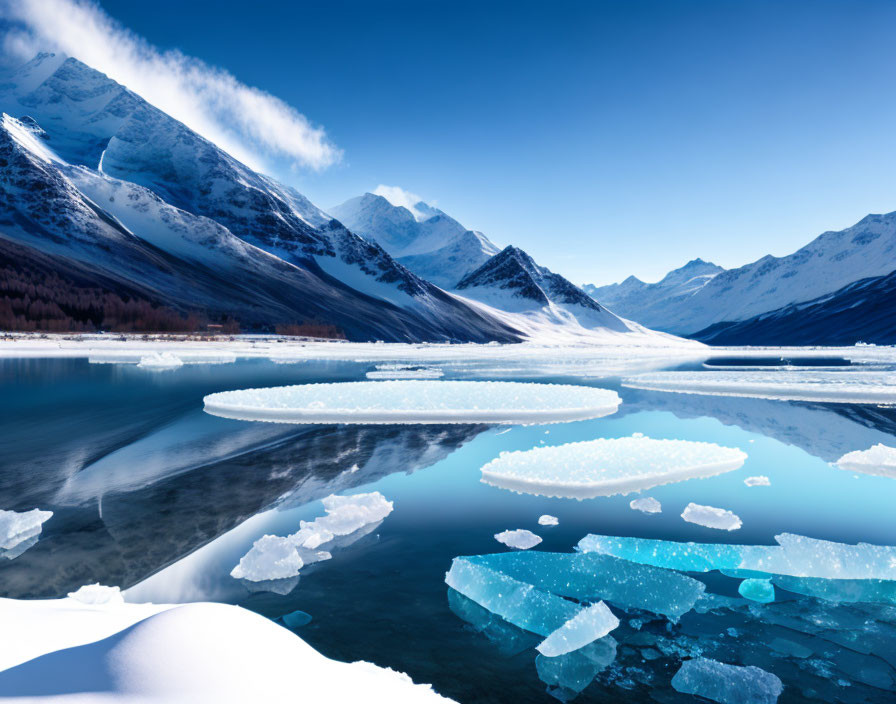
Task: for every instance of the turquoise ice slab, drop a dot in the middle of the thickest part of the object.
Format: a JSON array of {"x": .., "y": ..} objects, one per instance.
[
  {"x": 508, "y": 580},
  {"x": 795, "y": 556}
]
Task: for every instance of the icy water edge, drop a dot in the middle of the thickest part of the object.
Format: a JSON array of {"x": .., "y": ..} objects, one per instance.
[{"x": 150, "y": 493}]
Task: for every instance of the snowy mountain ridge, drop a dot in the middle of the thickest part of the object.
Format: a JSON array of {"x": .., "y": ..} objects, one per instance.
[{"x": 429, "y": 242}]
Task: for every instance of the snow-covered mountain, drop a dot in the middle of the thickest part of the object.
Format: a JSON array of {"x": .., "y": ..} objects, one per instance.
[
  {"x": 650, "y": 304},
  {"x": 863, "y": 311},
  {"x": 762, "y": 300},
  {"x": 537, "y": 301},
  {"x": 97, "y": 179},
  {"x": 427, "y": 241}
]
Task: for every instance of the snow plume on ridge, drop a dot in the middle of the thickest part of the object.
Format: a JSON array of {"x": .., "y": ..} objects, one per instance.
[
  {"x": 401, "y": 198},
  {"x": 242, "y": 120}
]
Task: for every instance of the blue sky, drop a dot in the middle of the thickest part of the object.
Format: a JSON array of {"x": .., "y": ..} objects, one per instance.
[{"x": 606, "y": 138}]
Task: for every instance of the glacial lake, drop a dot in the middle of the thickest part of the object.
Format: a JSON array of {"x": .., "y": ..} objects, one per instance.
[{"x": 153, "y": 495}]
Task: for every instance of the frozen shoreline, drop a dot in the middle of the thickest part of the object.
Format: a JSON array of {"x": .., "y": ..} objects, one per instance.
[{"x": 126, "y": 348}]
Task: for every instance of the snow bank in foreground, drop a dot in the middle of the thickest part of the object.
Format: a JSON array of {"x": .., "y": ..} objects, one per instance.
[
  {"x": 605, "y": 467},
  {"x": 831, "y": 387},
  {"x": 160, "y": 361},
  {"x": 879, "y": 460},
  {"x": 711, "y": 517},
  {"x": 162, "y": 653},
  {"x": 415, "y": 402},
  {"x": 521, "y": 539},
  {"x": 275, "y": 557},
  {"x": 17, "y": 527}
]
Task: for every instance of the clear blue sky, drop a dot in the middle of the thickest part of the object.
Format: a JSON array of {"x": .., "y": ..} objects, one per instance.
[{"x": 606, "y": 138}]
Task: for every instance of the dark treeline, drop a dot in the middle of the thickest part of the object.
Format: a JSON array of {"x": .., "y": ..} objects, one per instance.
[{"x": 35, "y": 297}]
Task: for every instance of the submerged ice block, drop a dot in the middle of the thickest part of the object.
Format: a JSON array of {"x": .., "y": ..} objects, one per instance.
[
  {"x": 567, "y": 675},
  {"x": 608, "y": 466},
  {"x": 416, "y": 401},
  {"x": 727, "y": 684}
]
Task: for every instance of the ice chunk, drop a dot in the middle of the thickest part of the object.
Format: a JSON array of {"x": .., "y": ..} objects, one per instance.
[
  {"x": 548, "y": 520},
  {"x": 585, "y": 627},
  {"x": 727, "y": 684},
  {"x": 795, "y": 556},
  {"x": 160, "y": 361},
  {"x": 608, "y": 466},
  {"x": 521, "y": 539},
  {"x": 757, "y": 481},
  {"x": 296, "y": 619},
  {"x": 803, "y": 385},
  {"x": 274, "y": 557},
  {"x": 404, "y": 371},
  {"x": 583, "y": 577},
  {"x": 879, "y": 460},
  {"x": 97, "y": 595},
  {"x": 18, "y": 526},
  {"x": 409, "y": 401},
  {"x": 760, "y": 590},
  {"x": 646, "y": 504},
  {"x": 271, "y": 557},
  {"x": 567, "y": 675},
  {"x": 711, "y": 517}
]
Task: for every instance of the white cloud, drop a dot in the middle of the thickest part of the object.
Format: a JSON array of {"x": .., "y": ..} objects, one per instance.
[
  {"x": 399, "y": 197},
  {"x": 252, "y": 125}
]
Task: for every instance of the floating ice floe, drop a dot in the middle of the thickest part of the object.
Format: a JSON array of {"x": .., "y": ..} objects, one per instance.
[
  {"x": 548, "y": 520},
  {"x": 604, "y": 467},
  {"x": 160, "y": 361},
  {"x": 794, "y": 556},
  {"x": 273, "y": 557},
  {"x": 879, "y": 460},
  {"x": 646, "y": 504},
  {"x": 831, "y": 387},
  {"x": 404, "y": 371},
  {"x": 761, "y": 480},
  {"x": 521, "y": 539},
  {"x": 413, "y": 401},
  {"x": 711, "y": 517},
  {"x": 19, "y": 530},
  {"x": 727, "y": 684}
]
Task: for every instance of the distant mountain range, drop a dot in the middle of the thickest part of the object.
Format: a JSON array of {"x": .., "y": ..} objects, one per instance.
[
  {"x": 838, "y": 289},
  {"x": 116, "y": 215}
]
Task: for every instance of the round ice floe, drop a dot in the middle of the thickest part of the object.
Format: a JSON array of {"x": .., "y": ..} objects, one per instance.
[
  {"x": 832, "y": 387},
  {"x": 415, "y": 402},
  {"x": 604, "y": 467}
]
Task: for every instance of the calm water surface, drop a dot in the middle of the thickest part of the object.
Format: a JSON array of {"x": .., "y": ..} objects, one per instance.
[{"x": 150, "y": 493}]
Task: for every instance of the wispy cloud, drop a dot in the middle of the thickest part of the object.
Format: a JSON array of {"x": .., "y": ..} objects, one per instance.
[
  {"x": 251, "y": 124},
  {"x": 400, "y": 197}
]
